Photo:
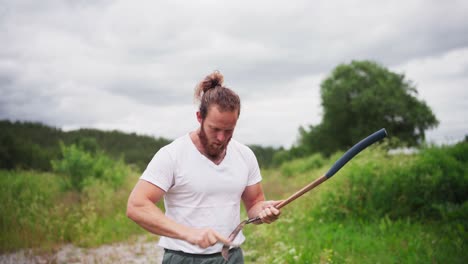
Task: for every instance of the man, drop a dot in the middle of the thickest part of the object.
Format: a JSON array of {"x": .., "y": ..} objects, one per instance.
[{"x": 202, "y": 176}]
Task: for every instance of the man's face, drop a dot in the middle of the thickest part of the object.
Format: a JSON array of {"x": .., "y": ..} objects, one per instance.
[{"x": 216, "y": 130}]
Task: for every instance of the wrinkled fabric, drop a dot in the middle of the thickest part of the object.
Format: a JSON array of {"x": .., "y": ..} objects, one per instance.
[{"x": 173, "y": 257}]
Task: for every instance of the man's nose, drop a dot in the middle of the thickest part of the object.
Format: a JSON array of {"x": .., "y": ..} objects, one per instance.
[{"x": 221, "y": 136}]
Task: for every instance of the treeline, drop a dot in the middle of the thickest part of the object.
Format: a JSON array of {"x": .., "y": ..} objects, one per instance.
[
  {"x": 27, "y": 145},
  {"x": 30, "y": 145}
]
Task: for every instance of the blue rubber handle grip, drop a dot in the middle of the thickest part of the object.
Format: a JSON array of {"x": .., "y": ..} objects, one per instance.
[{"x": 354, "y": 150}]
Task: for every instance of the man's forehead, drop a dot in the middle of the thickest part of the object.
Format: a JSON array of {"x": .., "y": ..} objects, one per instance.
[
  {"x": 215, "y": 110},
  {"x": 221, "y": 119}
]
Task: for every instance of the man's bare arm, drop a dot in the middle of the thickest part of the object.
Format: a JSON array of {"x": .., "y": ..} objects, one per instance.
[
  {"x": 255, "y": 204},
  {"x": 141, "y": 208}
]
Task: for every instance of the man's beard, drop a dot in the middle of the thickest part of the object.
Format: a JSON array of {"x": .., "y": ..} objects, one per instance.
[{"x": 211, "y": 151}]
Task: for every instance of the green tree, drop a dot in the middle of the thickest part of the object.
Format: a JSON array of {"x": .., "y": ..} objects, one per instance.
[
  {"x": 84, "y": 167},
  {"x": 265, "y": 155},
  {"x": 362, "y": 97},
  {"x": 28, "y": 145}
]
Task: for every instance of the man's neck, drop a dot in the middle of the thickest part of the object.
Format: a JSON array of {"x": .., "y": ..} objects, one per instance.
[{"x": 195, "y": 137}]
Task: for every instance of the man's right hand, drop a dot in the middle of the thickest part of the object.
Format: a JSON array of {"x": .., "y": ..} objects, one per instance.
[{"x": 205, "y": 237}]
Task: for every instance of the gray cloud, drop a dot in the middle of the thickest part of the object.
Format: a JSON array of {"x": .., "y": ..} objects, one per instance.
[
  {"x": 98, "y": 63},
  {"x": 146, "y": 93}
]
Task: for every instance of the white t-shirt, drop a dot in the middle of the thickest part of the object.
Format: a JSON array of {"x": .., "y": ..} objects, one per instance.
[{"x": 200, "y": 193}]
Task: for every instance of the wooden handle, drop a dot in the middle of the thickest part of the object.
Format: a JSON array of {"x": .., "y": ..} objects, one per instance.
[
  {"x": 353, "y": 151},
  {"x": 299, "y": 193}
]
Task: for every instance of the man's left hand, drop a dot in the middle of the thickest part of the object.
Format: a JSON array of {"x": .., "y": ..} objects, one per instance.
[{"x": 269, "y": 213}]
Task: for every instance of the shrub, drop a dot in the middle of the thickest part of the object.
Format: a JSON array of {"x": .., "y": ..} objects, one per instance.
[
  {"x": 302, "y": 165},
  {"x": 84, "y": 167},
  {"x": 27, "y": 205},
  {"x": 430, "y": 185}
]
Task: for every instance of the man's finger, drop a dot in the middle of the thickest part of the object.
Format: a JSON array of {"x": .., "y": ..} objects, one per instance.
[
  {"x": 212, "y": 239},
  {"x": 275, "y": 203},
  {"x": 222, "y": 239},
  {"x": 275, "y": 211}
]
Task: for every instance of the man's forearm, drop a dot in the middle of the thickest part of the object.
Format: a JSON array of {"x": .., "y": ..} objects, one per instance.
[
  {"x": 151, "y": 218},
  {"x": 255, "y": 210}
]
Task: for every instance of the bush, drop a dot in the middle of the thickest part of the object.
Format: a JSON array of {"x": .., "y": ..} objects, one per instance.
[
  {"x": 27, "y": 208},
  {"x": 302, "y": 165},
  {"x": 37, "y": 213},
  {"x": 84, "y": 167},
  {"x": 430, "y": 185}
]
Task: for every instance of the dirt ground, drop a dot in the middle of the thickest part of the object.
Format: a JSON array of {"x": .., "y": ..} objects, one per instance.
[{"x": 140, "y": 251}]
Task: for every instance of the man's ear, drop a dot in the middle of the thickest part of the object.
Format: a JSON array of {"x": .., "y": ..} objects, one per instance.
[{"x": 199, "y": 117}]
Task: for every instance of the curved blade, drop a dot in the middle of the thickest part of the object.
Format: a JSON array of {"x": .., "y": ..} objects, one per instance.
[{"x": 232, "y": 236}]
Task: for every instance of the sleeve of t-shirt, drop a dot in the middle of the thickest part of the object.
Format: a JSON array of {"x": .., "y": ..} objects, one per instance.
[
  {"x": 160, "y": 170},
  {"x": 254, "y": 170}
]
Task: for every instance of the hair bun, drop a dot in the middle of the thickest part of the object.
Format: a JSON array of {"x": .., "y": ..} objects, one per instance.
[
  {"x": 211, "y": 91},
  {"x": 212, "y": 81}
]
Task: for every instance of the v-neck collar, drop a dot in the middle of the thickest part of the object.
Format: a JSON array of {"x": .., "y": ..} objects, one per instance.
[{"x": 203, "y": 156}]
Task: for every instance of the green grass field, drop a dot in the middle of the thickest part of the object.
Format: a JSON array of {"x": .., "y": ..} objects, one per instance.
[
  {"x": 36, "y": 213},
  {"x": 377, "y": 209}
]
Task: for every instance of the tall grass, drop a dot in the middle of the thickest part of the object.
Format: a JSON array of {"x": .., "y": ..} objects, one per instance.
[
  {"x": 306, "y": 239},
  {"x": 377, "y": 209},
  {"x": 429, "y": 186},
  {"x": 83, "y": 203},
  {"x": 37, "y": 213}
]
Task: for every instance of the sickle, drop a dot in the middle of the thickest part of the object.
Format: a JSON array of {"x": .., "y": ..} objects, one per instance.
[{"x": 353, "y": 151}]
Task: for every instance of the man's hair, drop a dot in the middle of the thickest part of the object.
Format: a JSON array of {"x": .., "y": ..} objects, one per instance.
[{"x": 211, "y": 91}]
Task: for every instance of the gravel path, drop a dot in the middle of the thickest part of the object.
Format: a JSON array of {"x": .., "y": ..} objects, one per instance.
[{"x": 140, "y": 251}]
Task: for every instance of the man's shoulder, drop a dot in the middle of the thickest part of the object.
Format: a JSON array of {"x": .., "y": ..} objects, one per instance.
[
  {"x": 180, "y": 140},
  {"x": 237, "y": 144},
  {"x": 177, "y": 144},
  {"x": 243, "y": 148}
]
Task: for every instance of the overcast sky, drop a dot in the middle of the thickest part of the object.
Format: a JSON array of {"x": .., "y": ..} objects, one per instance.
[{"x": 133, "y": 65}]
